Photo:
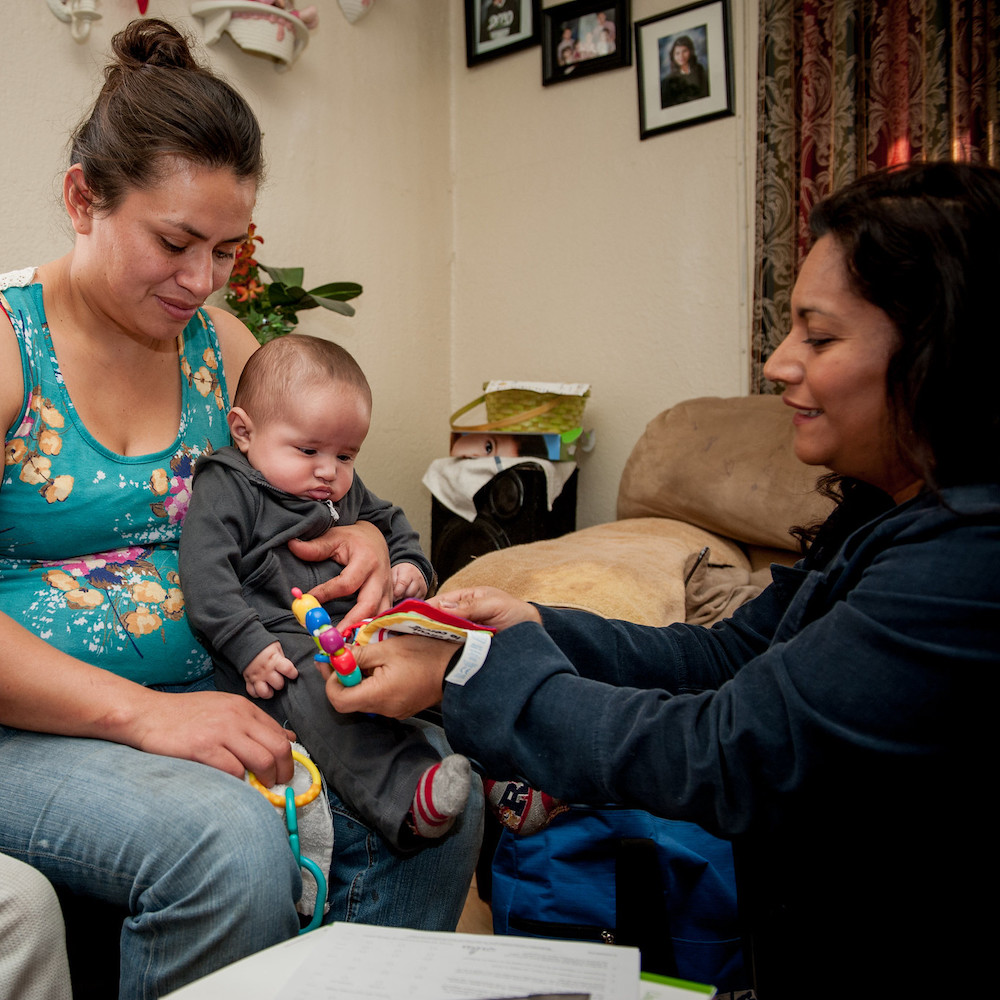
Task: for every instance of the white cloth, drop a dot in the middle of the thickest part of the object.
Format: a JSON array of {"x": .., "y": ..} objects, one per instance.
[
  {"x": 33, "y": 962},
  {"x": 455, "y": 481},
  {"x": 15, "y": 279},
  {"x": 315, "y": 824}
]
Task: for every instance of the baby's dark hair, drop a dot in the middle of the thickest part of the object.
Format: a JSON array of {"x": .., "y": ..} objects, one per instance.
[
  {"x": 287, "y": 366},
  {"x": 158, "y": 102}
]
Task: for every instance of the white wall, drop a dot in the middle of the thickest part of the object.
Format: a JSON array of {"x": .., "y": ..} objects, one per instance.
[
  {"x": 583, "y": 254},
  {"x": 501, "y": 229}
]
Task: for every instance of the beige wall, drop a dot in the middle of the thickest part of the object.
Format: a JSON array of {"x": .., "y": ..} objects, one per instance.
[{"x": 501, "y": 229}]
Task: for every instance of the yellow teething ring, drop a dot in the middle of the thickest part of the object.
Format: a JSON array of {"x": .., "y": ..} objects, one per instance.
[{"x": 300, "y": 800}]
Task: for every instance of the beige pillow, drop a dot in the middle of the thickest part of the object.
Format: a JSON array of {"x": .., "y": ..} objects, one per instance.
[
  {"x": 725, "y": 465},
  {"x": 624, "y": 569}
]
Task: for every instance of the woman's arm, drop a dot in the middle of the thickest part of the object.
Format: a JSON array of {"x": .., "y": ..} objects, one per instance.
[
  {"x": 872, "y": 672},
  {"x": 48, "y": 691},
  {"x": 867, "y": 670},
  {"x": 622, "y": 653}
]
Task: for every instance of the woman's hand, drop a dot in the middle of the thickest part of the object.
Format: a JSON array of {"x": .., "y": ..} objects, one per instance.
[
  {"x": 487, "y": 606},
  {"x": 404, "y": 676},
  {"x": 224, "y": 731},
  {"x": 221, "y": 730},
  {"x": 361, "y": 549}
]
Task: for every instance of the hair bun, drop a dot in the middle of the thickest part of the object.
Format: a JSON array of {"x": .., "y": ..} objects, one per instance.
[{"x": 152, "y": 42}]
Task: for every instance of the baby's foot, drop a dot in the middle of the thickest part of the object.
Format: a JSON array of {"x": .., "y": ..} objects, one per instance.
[
  {"x": 521, "y": 808},
  {"x": 441, "y": 794}
]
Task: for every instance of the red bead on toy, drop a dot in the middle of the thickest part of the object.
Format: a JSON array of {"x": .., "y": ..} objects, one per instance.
[{"x": 312, "y": 616}]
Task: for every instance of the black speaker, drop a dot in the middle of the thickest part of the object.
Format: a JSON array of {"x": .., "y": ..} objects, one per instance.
[{"x": 511, "y": 509}]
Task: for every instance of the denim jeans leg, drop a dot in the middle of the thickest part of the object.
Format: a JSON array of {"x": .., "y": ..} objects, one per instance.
[
  {"x": 200, "y": 859},
  {"x": 372, "y": 884}
]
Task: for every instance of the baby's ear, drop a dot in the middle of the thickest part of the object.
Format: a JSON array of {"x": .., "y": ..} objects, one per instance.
[{"x": 240, "y": 427}]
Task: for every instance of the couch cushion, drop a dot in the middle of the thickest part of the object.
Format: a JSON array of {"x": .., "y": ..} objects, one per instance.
[
  {"x": 725, "y": 465},
  {"x": 630, "y": 569}
]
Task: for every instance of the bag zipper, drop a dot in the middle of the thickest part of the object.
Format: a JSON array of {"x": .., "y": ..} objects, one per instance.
[{"x": 575, "y": 932}]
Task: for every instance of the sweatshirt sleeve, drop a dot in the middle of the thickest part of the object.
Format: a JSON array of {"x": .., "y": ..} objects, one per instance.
[
  {"x": 402, "y": 539},
  {"x": 851, "y": 680},
  {"x": 215, "y": 533}
]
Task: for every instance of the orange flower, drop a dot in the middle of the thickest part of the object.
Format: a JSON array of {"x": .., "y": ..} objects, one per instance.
[
  {"x": 249, "y": 291},
  {"x": 240, "y": 269},
  {"x": 247, "y": 248}
]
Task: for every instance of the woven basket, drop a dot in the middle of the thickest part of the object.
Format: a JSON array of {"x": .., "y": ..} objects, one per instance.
[{"x": 524, "y": 411}]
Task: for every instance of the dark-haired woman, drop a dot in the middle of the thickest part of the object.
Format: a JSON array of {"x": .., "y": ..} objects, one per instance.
[
  {"x": 114, "y": 378},
  {"x": 838, "y": 728},
  {"x": 685, "y": 79}
]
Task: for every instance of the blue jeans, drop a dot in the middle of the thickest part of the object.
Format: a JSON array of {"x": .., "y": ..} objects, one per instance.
[
  {"x": 200, "y": 860},
  {"x": 372, "y": 884}
]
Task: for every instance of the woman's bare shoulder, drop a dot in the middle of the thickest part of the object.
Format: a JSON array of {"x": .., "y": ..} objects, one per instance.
[{"x": 235, "y": 340}]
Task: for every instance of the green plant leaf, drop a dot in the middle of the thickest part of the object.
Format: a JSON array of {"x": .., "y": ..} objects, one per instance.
[
  {"x": 272, "y": 312},
  {"x": 341, "y": 290},
  {"x": 284, "y": 275},
  {"x": 333, "y": 305},
  {"x": 290, "y": 295}
]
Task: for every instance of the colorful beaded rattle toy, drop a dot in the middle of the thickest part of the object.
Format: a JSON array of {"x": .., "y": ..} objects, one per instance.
[{"x": 312, "y": 616}]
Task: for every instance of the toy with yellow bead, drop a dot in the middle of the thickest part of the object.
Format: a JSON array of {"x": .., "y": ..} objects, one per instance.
[{"x": 312, "y": 616}]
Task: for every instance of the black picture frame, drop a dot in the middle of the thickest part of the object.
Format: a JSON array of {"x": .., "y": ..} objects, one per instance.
[
  {"x": 486, "y": 39},
  {"x": 576, "y": 41},
  {"x": 668, "y": 98}
]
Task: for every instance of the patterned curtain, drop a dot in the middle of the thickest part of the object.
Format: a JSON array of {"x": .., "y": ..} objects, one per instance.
[{"x": 848, "y": 86}]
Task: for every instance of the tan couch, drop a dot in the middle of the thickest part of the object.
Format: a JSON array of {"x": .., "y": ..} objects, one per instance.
[{"x": 708, "y": 472}]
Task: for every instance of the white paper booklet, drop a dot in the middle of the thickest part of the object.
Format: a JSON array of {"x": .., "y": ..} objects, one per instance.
[{"x": 359, "y": 962}]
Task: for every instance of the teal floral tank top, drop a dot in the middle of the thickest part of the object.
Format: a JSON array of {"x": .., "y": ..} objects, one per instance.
[{"x": 88, "y": 538}]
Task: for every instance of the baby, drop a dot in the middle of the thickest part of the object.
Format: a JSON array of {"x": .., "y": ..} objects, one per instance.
[{"x": 301, "y": 413}]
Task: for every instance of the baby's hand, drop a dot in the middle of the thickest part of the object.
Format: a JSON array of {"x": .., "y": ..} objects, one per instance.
[
  {"x": 267, "y": 671},
  {"x": 407, "y": 581}
]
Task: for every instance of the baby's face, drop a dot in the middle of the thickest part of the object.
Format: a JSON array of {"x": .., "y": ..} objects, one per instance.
[
  {"x": 309, "y": 451},
  {"x": 481, "y": 445}
]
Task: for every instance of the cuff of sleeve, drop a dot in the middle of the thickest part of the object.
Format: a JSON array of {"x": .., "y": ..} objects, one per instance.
[{"x": 466, "y": 662}]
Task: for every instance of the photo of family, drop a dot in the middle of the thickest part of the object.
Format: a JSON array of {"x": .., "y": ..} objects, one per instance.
[
  {"x": 583, "y": 37},
  {"x": 586, "y": 37}
]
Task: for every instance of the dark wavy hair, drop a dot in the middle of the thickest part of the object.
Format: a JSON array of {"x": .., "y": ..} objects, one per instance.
[
  {"x": 922, "y": 242},
  {"x": 158, "y": 101},
  {"x": 684, "y": 40}
]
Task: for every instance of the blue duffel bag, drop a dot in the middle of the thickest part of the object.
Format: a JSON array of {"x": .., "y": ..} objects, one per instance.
[{"x": 626, "y": 877}]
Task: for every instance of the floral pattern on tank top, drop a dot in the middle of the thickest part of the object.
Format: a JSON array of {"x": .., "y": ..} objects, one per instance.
[{"x": 118, "y": 604}]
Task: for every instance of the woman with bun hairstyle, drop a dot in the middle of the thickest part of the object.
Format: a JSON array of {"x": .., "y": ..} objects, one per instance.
[{"x": 120, "y": 767}]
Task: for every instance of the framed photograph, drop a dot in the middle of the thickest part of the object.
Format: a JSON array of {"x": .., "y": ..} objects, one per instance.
[
  {"x": 584, "y": 37},
  {"x": 498, "y": 27},
  {"x": 684, "y": 65}
]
